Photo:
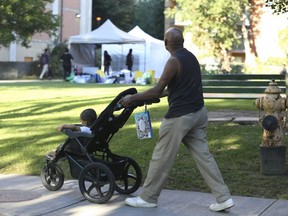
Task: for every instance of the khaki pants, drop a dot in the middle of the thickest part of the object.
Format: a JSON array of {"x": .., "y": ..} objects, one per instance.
[{"x": 191, "y": 130}]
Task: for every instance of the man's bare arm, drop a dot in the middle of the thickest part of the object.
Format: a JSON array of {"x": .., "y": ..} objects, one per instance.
[{"x": 164, "y": 93}]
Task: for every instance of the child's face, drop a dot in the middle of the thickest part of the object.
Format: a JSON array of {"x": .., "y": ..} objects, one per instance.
[{"x": 83, "y": 122}]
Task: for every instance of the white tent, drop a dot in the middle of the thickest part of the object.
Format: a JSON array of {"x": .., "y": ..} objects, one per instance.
[
  {"x": 150, "y": 56},
  {"x": 83, "y": 46}
]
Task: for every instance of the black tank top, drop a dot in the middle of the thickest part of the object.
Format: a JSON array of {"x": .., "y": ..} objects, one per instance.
[{"x": 185, "y": 93}]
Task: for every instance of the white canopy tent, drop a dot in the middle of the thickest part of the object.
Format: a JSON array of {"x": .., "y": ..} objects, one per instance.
[
  {"x": 151, "y": 56},
  {"x": 83, "y": 46}
]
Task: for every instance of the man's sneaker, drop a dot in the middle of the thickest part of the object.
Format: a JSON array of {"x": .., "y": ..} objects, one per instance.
[
  {"x": 138, "y": 202},
  {"x": 222, "y": 206}
]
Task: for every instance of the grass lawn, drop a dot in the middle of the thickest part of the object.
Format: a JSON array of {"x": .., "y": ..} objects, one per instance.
[{"x": 30, "y": 113}]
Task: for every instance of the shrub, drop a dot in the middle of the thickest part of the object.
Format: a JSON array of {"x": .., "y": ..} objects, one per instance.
[{"x": 55, "y": 62}]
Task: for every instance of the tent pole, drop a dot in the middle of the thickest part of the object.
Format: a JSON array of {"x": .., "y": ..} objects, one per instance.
[
  {"x": 145, "y": 57},
  {"x": 121, "y": 57}
]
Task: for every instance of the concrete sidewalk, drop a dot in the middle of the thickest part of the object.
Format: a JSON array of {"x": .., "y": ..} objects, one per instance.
[{"x": 26, "y": 196}]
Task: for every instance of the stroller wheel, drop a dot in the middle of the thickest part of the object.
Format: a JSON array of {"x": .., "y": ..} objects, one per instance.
[
  {"x": 96, "y": 183},
  {"x": 131, "y": 178},
  {"x": 52, "y": 176}
]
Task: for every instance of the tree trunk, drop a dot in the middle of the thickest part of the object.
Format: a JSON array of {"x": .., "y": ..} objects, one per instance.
[{"x": 249, "y": 55}]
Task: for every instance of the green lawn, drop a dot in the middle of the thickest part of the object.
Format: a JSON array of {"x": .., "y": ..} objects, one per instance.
[{"x": 30, "y": 113}]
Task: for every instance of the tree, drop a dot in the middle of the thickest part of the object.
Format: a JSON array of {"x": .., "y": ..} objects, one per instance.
[
  {"x": 19, "y": 20},
  {"x": 213, "y": 22},
  {"x": 253, "y": 13},
  {"x": 126, "y": 14},
  {"x": 55, "y": 59},
  {"x": 278, "y": 6},
  {"x": 120, "y": 12},
  {"x": 149, "y": 16},
  {"x": 220, "y": 25},
  {"x": 283, "y": 42}
]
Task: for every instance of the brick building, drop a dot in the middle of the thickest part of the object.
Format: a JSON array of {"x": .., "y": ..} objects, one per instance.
[{"x": 75, "y": 19}]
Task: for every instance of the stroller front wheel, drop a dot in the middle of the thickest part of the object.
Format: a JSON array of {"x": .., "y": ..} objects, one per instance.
[
  {"x": 96, "y": 183},
  {"x": 52, "y": 177}
]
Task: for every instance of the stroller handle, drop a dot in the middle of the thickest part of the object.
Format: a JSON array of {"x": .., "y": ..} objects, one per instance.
[{"x": 138, "y": 103}]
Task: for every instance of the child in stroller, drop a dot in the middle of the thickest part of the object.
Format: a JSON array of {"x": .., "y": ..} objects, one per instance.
[
  {"x": 99, "y": 171},
  {"x": 87, "y": 118}
]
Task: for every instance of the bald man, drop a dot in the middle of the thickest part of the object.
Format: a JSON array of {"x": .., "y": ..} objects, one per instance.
[{"x": 185, "y": 122}]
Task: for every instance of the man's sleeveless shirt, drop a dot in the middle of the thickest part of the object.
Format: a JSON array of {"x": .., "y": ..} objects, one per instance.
[{"x": 185, "y": 90}]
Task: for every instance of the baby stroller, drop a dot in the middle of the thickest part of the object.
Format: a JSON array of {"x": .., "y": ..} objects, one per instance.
[{"x": 99, "y": 171}]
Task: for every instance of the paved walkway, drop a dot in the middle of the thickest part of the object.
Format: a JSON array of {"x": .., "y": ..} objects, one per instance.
[{"x": 28, "y": 197}]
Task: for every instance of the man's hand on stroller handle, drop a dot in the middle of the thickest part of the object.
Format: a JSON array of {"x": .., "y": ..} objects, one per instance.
[
  {"x": 125, "y": 101},
  {"x": 128, "y": 101}
]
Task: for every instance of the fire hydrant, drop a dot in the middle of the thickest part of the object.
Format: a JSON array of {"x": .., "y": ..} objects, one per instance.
[{"x": 274, "y": 124}]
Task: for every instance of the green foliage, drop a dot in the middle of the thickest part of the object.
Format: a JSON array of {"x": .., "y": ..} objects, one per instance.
[
  {"x": 19, "y": 20},
  {"x": 213, "y": 23},
  {"x": 149, "y": 16},
  {"x": 283, "y": 42},
  {"x": 55, "y": 62},
  {"x": 126, "y": 14},
  {"x": 278, "y": 6},
  {"x": 275, "y": 61},
  {"x": 120, "y": 12}
]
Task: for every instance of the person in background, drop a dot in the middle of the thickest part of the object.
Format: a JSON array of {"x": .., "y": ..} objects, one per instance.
[
  {"x": 45, "y": 61},
  {"x": 284, "y": 70},
  {"x": 67, "y": 61},
  {"x": 107, "y": 62},
  {"x": 185, "y": 122},
  {"x": 129, "y": 61}
]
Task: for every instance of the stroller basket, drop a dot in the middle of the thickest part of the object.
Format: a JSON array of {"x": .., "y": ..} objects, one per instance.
[{"x": 77, "y": 164}]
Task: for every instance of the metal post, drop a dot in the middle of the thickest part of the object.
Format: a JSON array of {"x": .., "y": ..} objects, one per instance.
[
  {"x": 61, "y": 23},
  {"x": 286, "y": 84}
]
